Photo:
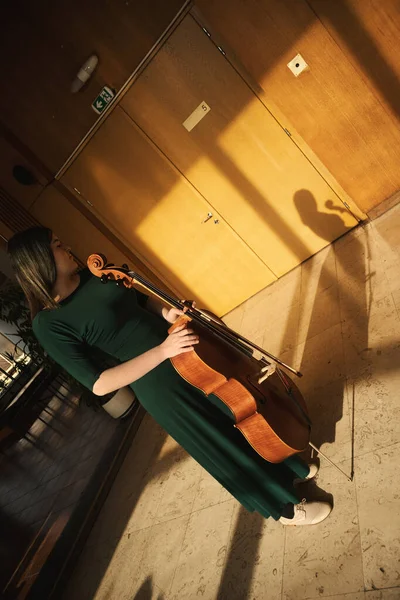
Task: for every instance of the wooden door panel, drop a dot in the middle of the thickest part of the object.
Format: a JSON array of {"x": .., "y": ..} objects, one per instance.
[
  {"x": 238, "y": 157},
  {"x": 53, "y": 210},
  {"x": 156, "y": 212}
]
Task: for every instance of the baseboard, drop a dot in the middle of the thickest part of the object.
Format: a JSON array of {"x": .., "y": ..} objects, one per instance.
[{"x": 384, "y": 206}]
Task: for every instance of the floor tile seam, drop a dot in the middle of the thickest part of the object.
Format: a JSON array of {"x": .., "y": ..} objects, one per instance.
[
  {"x": 377, "y": 449},
  {"x": 307, "y": 339},
  {"x": 359, "y": 526},
  {"x": 135, "y": 530},
  {"x": 364, "y": 454},
  {"x": 283, "y": 561},
  {"x": 336, "y": 595},
  {"x": 395, "y": 305},
  {"x": 379, "y": 589},
  {"x": 149, "y": 528},
  {"x": 197, "y": 487},
  {"x": 211, "y": 505},
  {"x": 179, "y": 555}
]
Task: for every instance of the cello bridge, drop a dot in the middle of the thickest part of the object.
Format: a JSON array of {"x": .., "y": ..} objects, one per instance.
[{"x": 266, "y": 372}]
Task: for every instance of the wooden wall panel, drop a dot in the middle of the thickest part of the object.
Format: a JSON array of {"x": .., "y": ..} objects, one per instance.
[
  {"x": 368, "y": 33},
  {"x": 53, "y": 210},
  {"x": 85, "y": 236},
  {"x": 332, "y": 106},
  {"x": 42, "y": 46},
  {"x": 9, "y": 158},
  {"x": 57, "y": 209}
]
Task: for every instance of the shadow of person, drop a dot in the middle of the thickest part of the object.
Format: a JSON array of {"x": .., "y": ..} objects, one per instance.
[
  {"x": 324, "y": 395},
  {"x": 333, "y": 304},
  {"x": 145, "y": 592},
  {"x": 327, "y": 226}
]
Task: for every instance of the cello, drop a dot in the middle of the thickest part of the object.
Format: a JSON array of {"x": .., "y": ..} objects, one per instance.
[{"x": 266, "y": 406}]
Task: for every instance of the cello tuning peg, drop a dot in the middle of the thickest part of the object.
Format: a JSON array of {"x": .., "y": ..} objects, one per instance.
[
  {"x": 104, "y": 278},
  {"x": 125, "y": 266},
  {"x": 120, "y": 283}
]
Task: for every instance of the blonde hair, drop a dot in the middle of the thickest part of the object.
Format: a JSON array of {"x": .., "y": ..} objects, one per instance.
[{"x": 34, "y": 266}]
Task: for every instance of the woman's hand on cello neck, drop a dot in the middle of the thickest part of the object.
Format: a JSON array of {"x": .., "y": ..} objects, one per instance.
[{"x": 172, "y": 314}]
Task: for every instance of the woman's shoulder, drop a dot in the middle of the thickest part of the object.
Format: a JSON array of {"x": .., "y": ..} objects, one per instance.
[
  {"x": 41, "y": 326},
  {"x": 42, "y": 320},
  {"x": 39, "y": 318},
  {"x": 45, "y": 316},
  {"x": 50, "y": 328}
]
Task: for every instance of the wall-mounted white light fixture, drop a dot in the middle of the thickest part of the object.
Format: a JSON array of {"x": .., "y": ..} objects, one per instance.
[{"x": 84, "y": 73}]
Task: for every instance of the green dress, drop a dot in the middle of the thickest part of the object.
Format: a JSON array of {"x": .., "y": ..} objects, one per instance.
[{"x": 115, "y": 320}]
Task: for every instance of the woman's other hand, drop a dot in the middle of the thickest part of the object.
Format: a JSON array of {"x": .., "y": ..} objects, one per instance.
[
  {"x": 179, "y": 341},
  {"x": 172, "y": 314}
]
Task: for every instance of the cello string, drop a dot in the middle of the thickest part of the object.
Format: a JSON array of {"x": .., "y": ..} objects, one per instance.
[
  {"x": 221, "y": 330},
  {"x": 230, "y": 336},
  {"x": 289, "y": 391},
  {"x": 226, "y": 330}
]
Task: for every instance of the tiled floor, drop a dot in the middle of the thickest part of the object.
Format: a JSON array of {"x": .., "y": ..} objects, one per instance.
[{"x": 170, "y": 532}]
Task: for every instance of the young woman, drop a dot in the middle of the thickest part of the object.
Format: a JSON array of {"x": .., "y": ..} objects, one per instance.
[{"x": 73, "y": 312}]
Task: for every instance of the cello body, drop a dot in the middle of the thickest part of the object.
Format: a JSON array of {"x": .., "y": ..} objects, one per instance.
[{"x": 263, "y": 412}]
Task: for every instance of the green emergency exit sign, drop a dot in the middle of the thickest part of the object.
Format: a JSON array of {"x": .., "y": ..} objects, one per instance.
[{"x": 103, "y": 99}]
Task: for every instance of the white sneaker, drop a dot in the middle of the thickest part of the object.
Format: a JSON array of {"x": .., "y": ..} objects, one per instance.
[
  {"x": 308, "y": 513},
  {"x": 313, "y": 471}
]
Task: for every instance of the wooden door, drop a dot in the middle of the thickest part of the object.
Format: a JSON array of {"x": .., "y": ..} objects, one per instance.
[
  {"x": 136, "y": 191},
  {"x": 346, "y": 107},
  {"x": 237, "y": 156}
]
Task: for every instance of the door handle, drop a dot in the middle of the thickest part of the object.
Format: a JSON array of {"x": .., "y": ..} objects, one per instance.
[{"x": 208, "y": 217}]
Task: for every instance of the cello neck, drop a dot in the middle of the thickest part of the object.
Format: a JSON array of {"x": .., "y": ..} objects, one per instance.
[{"x": 98, "y": 266}]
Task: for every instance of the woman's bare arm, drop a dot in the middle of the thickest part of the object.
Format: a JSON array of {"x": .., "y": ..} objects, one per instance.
[
  {"x": 179, "y": 341},
  {"x": 117, "y": 377}
]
